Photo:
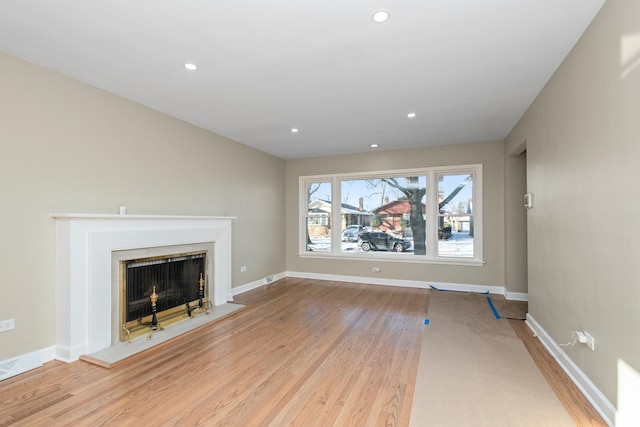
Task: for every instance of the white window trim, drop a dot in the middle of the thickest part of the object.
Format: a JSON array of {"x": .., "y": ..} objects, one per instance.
[{"x": 431, "y": 256}]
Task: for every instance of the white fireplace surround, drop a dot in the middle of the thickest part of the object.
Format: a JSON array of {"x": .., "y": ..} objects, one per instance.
[{"x": 84, "y": 246}]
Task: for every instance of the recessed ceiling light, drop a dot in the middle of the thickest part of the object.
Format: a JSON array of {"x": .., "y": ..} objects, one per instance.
[
  {"x": 374, "y": 145},
  {"x": 190, "y": 67},
  {"x": 380, "y": 16},
  {"x": 294, "y": 130},
  {"x": 411, "y": 115}
]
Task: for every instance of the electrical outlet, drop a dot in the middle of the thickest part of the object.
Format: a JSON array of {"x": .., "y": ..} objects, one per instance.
[
  {"x": 376, "y": 269},
  {"x": 7, "y": 325},
  {"x": 591, "y": 342},
  {"x": 243, "y": 269}
]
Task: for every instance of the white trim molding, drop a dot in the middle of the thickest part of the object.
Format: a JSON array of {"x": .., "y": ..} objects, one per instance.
[
  {"x": 256, "y": 284},
  {"x": 20, "y": 364},
  {"x": 516, "y": 296},
  {"x": 605, "y": 408},
  {"x": 460, "y": 287}
]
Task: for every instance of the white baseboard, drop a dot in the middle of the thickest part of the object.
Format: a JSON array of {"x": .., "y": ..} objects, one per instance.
[
  {"x": 590, "y": 391},
  {"x": 20, "y": 364},
  {"x": 516, "y": 296},
  {"x": 460, "y": 287},
  {"x": 47, "y": 354},
  {"x": 256, "y": 284}
]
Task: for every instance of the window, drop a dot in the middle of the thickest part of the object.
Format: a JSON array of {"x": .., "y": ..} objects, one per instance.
[
  {"x": 430, "y": 215},
  {"x": 318, "y": 216},
  {"x": 389, "y": 207},
  {"x": 455, "y": 215}
]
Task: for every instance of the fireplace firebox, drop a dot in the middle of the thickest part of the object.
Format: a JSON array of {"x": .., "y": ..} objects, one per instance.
[{"x": 161, "y": 290}]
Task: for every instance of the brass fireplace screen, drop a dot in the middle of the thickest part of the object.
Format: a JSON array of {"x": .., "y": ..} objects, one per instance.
[{"x": 176, "y": 282}]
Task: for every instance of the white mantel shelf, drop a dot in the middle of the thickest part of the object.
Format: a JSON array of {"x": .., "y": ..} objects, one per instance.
[
  {"x": 85, "y": 294},
  {"x": 127, "y": 216}
]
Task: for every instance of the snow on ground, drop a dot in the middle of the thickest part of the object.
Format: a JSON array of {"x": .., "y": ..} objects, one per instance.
[{"x": 460, "y": 245}]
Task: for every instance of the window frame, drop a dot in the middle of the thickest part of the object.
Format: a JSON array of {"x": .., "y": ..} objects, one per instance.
[{"x": 431, "y": 215}]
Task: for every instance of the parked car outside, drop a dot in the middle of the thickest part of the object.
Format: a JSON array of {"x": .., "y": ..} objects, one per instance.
[
  {"x": 350, "y": 234},
  {"x": 380, "y": 241}
]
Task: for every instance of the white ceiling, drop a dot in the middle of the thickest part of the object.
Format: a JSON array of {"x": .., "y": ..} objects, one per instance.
[{"x": 468, "y": 68}]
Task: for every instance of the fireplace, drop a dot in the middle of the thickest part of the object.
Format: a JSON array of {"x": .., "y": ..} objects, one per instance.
[{"x": 89, "y": 250}]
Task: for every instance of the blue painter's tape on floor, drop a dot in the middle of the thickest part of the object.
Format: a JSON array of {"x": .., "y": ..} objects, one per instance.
[
  {"x": 493, "y": 308},
  {"x": 426, "y": 321}
]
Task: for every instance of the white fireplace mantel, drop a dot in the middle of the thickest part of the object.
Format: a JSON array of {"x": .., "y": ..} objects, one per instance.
[{"x": 84, "y": 246}]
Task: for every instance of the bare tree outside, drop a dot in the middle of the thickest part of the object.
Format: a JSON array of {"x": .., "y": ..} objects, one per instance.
[{"x": 414, "y": 194}]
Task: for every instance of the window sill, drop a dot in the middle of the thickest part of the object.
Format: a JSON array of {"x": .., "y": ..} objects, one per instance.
[{"x": 405, "y": 258}]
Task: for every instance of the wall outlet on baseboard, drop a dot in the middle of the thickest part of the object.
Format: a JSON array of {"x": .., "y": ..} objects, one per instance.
[{"x": 7, "y": 325}]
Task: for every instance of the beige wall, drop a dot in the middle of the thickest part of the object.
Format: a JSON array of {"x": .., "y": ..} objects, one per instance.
[
  {"x": 69, "y": 147},
  {"x": 583, "y": 149},
  {"x": 490, "y": 154}
]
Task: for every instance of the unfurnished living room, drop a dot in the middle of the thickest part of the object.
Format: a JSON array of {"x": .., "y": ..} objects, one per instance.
[{"x": 292, "y": 213}]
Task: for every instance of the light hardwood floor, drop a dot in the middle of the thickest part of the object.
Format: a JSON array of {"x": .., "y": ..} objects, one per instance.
[{"x": 305, "y": 353}]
